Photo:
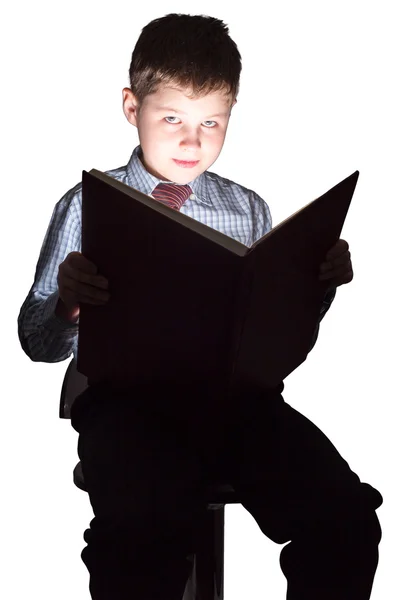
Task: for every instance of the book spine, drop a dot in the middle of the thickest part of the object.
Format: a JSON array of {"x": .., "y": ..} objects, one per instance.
[{"x": 242, "y": 303}]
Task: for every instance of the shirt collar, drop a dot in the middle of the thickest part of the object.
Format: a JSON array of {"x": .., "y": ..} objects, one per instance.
[{"x": 140, "y": 179}]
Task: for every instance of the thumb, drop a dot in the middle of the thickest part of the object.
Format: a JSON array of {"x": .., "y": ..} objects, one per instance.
[{"x": 79, "y": 262}]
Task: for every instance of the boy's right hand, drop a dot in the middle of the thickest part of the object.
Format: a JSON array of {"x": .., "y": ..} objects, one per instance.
[{"x": 78, "y": 282}]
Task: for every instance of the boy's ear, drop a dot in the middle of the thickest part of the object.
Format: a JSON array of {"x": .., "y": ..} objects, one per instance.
[{"x": 130, "y": 106}]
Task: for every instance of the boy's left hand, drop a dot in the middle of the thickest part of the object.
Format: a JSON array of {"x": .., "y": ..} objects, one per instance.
[{"x": 337, "y": 268}]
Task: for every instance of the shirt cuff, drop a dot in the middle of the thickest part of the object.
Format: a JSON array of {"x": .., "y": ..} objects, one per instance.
[{"x": 326, "y": 303}]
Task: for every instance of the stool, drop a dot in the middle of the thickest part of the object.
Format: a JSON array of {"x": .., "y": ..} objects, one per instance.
[{"x": 206, "y": 581}]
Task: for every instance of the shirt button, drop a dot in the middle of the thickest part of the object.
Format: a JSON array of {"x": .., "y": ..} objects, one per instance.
[{"x": 192, "y": 197}]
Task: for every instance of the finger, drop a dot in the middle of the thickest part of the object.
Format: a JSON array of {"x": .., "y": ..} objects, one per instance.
[
  {"x": 338, "y": 277},
  {"x": 340, "y": 261},
  {"x": 69, "y": 299},
  {"x": 81, "y": 276},
  {"x": 89, "y": 300},
  {"x": 339, "y": 248},
  {"x": 346, "y": 278},
  {"x": 92, "y": 293},
  {"x": 333, "y": 273},
  {"x": 81, "y": 290},
  {"x": 78, "y": 261}
]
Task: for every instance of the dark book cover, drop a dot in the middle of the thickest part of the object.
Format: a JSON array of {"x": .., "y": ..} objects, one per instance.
[
  {"x": 286, "y": 295},
  {"x": 188, "y": 302}
]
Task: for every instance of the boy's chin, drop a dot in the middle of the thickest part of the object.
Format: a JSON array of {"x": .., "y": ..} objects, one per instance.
[{"x": 180, "y": 178}]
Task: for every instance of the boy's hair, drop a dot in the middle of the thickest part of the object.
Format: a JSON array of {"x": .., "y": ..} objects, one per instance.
[{"x": 188, "y": 51}]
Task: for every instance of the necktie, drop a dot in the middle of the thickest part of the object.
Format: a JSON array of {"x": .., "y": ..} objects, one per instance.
[{"x": 172, "y": 194}]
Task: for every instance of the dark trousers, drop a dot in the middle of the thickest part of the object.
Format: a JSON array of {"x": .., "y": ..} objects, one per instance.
[{"x": 149, "y": 455}]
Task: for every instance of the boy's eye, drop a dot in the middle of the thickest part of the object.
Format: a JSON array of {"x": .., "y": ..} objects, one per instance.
[{"x": 208, "y": 126}]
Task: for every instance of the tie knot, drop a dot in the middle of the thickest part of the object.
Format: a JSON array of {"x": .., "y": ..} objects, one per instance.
[{"x": 172, "y": 194}]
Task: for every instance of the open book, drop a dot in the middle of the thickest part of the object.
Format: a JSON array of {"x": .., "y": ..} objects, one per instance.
[{"x": 188, "y": 302}]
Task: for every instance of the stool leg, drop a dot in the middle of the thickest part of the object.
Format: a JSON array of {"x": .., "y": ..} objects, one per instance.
[
  {"x": 190, "y": 589},
  {"x": 207, "y": 579}
]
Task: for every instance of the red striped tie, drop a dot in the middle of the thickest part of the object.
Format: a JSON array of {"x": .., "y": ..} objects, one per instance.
[{"x": 172, "y": 194}]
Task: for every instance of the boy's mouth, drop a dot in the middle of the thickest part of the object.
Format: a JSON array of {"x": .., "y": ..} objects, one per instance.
[{"x": 185, "y": 163}]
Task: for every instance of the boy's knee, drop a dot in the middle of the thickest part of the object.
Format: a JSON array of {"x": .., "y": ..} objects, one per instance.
[
  {"x": 354, "y": 523},
  {"x": 371, "y": 496}
]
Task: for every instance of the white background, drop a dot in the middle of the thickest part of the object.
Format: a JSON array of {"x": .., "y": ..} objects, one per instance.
[{"x": 319, "y": 99}]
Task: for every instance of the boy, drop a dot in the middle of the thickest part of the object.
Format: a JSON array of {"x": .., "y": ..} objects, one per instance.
[{"x": 149, "y": 454}]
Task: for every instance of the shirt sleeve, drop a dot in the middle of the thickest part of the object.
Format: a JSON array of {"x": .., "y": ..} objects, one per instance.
[
  {"x": 262, "y": 220},
  {"x": 45, "y": 337},
  {"x": 326, "y": 304}
]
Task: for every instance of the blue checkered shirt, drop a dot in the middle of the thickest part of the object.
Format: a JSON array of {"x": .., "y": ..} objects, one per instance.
[{"x": 217, "y": 202}]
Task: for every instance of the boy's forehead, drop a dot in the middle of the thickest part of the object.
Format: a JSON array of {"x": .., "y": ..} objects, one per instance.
[{"x": 167, "y": 95}]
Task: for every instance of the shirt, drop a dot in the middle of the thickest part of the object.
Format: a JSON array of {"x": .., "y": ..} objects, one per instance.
[{"x": 216, "y": 201}]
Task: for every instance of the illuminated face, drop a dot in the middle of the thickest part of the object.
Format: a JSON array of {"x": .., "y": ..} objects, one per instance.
[{"x": 173, "y": 128}]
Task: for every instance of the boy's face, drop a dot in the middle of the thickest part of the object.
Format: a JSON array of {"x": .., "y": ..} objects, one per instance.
[{"x": 194, "y": 131}]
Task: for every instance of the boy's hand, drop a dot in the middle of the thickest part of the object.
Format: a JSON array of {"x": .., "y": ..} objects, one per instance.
[
  {"x": 337, "y": 268},
  {"x": 78, "y": 282}
]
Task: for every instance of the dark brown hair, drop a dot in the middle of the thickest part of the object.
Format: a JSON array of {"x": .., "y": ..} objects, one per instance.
[{"x": 189, "y": 51}]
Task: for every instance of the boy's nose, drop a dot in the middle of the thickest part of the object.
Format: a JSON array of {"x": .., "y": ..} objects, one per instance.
[{"x": 190, "y": 141}]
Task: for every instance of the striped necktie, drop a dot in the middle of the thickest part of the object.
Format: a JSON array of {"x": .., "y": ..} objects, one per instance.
[{"x": 172, "y": 194}]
